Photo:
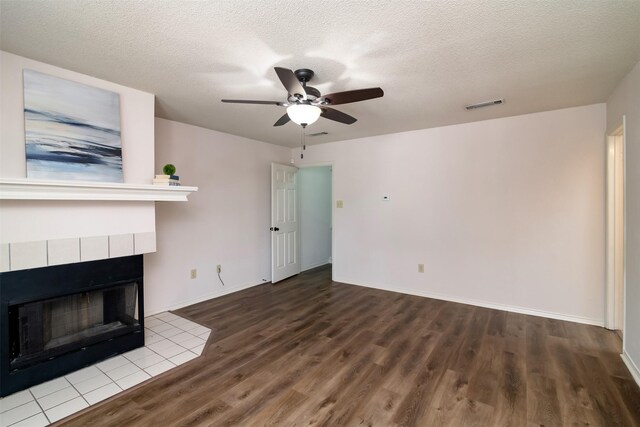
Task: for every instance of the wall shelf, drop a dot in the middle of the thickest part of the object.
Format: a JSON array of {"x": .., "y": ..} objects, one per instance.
[{"x": 25, "y": 189}]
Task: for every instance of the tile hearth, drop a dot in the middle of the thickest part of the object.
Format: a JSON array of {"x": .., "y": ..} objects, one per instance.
[{"x": 170, "y": 341}]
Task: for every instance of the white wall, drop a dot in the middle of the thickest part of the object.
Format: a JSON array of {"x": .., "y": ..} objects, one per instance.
[
  {"x": 41, "y": 220},
  {"x": 625, "y": 101},
  {"x": 226, "y": 222},
  {"x": 314, "y": 188},
  {"x": 37, "y": 220},
  {"x": 506, "y": 213}
]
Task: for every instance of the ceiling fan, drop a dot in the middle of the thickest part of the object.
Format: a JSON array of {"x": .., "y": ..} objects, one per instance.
[{"x": 305, "y": 104}]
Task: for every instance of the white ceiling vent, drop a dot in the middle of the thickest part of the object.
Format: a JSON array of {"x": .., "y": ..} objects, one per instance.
[{"x": 484, "y": 104}]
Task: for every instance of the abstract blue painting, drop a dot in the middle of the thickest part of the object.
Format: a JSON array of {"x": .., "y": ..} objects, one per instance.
[{"x": 72, "y": 131}]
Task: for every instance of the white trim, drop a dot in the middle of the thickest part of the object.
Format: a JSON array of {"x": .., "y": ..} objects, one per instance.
[
  {"x": 25, "y": 189},
  {"x": 202, "y": 298},
  {"x": 320, "y": 264},
  {"x": 485, "y": 304},
  {"x": 625, "y": 250},
  {"x": 612, "y": 310},
  {"x": 614, "y": 130},
  {"x": 633, "y": 368},
  {"x": 610, "y": 235}
]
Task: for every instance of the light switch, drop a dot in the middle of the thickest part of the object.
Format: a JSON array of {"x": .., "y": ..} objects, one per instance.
[{"x": 339, "y": 204}]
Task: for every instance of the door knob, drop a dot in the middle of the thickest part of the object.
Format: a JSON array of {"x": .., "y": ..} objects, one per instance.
[{"x": 274, "y": 229}]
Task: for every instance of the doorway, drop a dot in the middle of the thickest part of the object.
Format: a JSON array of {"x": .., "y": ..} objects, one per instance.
[
  {"x": 316, "y": 222},
  {"x": 615, "y": 278}
]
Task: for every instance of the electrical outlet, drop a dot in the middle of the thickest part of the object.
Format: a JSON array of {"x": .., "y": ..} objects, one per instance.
[
  {"x": 218, "y": 268},
  {"x": 194, "y": 273},
  {"x": 339, "y": 204},
  {"x": 420, "y": 268}
]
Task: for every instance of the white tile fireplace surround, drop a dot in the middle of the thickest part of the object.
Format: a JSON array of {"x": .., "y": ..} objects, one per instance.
[
  {"x": 44, "y": 253},
  {"x": 170, "y": 341}
]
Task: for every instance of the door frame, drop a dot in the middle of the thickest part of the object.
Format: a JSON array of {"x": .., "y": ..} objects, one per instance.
[
  {"x": 333, "y": 203},
  {"x": 613, "y": 307}
]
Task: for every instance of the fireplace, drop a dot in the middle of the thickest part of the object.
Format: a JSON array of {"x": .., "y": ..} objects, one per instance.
[{"x": 55, "y": 320}]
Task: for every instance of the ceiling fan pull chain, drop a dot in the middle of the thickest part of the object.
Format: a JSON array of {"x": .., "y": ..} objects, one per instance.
[{"x": 302, "y": 143}]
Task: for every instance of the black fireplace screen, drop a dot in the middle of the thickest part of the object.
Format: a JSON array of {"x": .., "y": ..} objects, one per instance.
[
  {"x": 58, "y": 319},
  {"x": 43, "y": 329}
]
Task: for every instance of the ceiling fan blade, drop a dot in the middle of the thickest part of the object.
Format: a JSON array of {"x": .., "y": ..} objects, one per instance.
[
  {"x": 338, "y": 116},
  {"x": 353, "y": 96},
  {"x": 250, "y": 101},
  {"x": 290, "y": 82},
  {"x": 282, "y": 120}
]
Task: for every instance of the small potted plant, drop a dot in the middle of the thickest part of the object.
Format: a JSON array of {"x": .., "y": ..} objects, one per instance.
[{"x": 169, "y": 169}]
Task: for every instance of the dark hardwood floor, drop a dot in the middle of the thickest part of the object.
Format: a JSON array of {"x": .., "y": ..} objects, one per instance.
[{"x": 309, "y": 351}]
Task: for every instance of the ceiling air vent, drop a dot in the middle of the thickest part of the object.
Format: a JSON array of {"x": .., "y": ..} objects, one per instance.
[
  {"x": 484, "y": 104},
  {"x": 318, "y": 134}
]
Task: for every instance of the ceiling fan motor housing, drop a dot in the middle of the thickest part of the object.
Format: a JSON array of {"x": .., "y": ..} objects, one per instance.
[{"x": 304, "y": 75}]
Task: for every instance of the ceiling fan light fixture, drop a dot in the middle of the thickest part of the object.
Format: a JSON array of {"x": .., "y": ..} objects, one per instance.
[{"x": 303, "y": 113}]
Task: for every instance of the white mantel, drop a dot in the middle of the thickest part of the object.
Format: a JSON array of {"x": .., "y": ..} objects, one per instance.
[
  {"x": 56, "y": 222},
  {"x": 25, "y": 189}
]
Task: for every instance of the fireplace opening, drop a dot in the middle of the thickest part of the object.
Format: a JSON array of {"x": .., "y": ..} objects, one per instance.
[
  {"x": 55, "y": 320},
  {"x": 47, "y": 328}
]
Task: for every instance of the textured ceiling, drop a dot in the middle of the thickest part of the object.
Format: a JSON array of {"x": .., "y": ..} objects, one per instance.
[{"x": 431, "y": 58}]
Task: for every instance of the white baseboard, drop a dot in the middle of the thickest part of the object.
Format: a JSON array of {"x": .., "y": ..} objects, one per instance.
[
  {"x": 313, "y": 266},
  {"x": 201, "y": 298},
  {"x": 479, "y": 303},
  {"x": 633, "y": 368},
  {"x": 485, "y": 304}
]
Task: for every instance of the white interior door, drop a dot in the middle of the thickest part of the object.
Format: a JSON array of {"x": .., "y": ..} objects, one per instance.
[{"x": 285, "y": 227}]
